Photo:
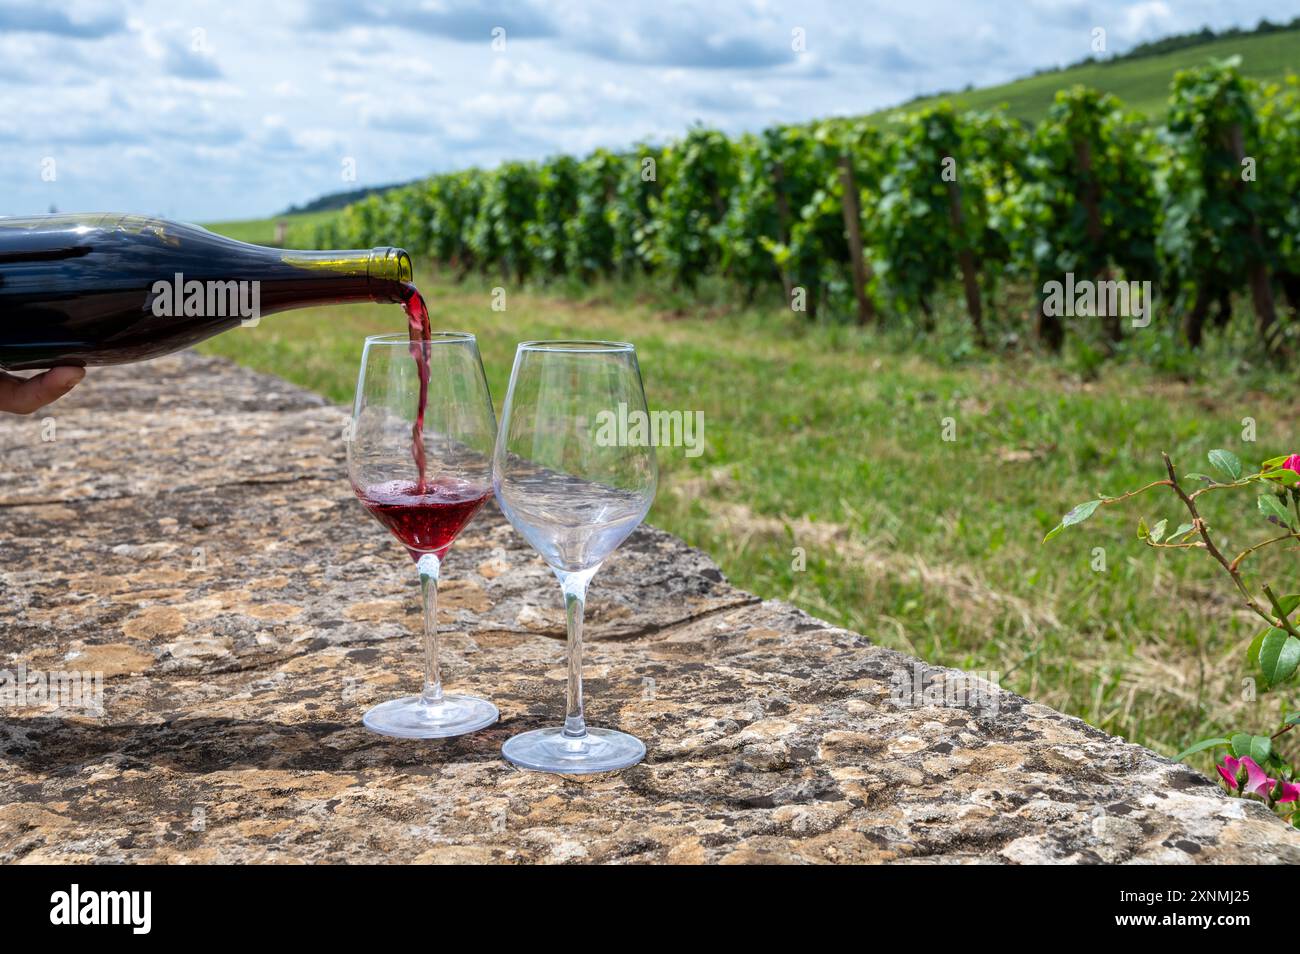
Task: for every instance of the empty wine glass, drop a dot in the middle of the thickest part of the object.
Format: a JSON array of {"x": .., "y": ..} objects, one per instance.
[
  {"x": 574, "y": 486},
  {"x": 424, "y": 505}
]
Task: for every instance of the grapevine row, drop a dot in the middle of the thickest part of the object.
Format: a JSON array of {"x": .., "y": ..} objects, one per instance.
[{"x": 870, "y": 222}]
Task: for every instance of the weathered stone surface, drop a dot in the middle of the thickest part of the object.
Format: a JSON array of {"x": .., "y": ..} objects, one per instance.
[{"x": 190, "y": 534}]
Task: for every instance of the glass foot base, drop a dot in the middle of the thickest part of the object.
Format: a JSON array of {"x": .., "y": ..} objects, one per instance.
[
  {"x": 411, "y": 718},
  {"x": 549, "y": 750}
]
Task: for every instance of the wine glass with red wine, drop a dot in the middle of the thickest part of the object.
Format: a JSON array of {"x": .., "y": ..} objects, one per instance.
[
  {"x": 420, "y": 460},
  {"x": 573, "y": 490}
]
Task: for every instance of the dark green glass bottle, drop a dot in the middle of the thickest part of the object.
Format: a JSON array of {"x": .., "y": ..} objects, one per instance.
[{"x": 109, "y": 289}]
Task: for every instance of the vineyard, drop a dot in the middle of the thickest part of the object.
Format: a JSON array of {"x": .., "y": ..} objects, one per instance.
[{"x": 854, "y": 221}]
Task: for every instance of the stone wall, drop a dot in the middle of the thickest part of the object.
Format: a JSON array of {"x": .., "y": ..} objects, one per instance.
[{"x": 189, "y": 533}]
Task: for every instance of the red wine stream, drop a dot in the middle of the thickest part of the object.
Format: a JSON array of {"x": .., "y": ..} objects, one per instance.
[{"x": 417, "y": 320}]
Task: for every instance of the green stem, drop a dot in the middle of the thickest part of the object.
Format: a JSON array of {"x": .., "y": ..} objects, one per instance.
[{"x": 1198, "y": 523}]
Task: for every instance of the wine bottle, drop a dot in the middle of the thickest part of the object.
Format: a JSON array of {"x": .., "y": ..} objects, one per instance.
[{"x": 110, "y": 289}]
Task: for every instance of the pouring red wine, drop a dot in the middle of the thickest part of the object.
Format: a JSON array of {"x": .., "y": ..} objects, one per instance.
[
  {"x": 417, "y": 320},
  {"x": 93, "y": 289}
]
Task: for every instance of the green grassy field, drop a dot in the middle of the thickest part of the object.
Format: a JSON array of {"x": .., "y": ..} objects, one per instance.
[
  {"x": 830, "y": 439},
  {"x": 262, "y": 231},
  {"x": 1142, "y": 84}
]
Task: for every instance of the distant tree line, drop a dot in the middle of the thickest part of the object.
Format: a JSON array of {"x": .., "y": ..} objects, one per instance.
[{"x": 1182, "y": 41}]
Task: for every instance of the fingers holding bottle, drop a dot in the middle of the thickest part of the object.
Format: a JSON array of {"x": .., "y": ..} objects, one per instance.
[{"x": 25, "y": 395}]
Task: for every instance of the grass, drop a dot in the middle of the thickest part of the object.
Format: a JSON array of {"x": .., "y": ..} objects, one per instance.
[
  {"x": 830, "y": 439},
  {"x": 262, "y": 231},
  {"x": 1142, "y": 84}
]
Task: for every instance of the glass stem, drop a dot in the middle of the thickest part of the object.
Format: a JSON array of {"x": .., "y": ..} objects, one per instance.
[
  {"x": 429, "y": 565},
  {"x": 574, "y": 586}
]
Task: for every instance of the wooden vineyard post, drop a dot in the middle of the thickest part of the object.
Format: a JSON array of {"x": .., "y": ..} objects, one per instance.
[
  {"x": 1194, "y": 320},
  {"x": 783, "y": 218},
  {"x": 1261, "y": 291},
  {"x": 1089, "y": 197},
  {"x": 1048, "y": 328},
  {"x": 965, "y": 258},
  {"x": 853, "y": 229}
]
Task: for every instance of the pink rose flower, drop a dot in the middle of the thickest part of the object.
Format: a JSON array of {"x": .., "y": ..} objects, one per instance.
[
  {"x": 1290, "y": 792},
  {"x": 1228, "y": 771},
  {"x": 1256, "y": 781},
  {"x": 1292, "y": 463}
]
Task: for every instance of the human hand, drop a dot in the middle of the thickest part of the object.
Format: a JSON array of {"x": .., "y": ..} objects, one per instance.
[{"x": 24, "y": 395}]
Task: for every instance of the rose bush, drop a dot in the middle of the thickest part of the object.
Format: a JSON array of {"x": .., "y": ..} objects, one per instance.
[{"x": 1253, "y": 765}]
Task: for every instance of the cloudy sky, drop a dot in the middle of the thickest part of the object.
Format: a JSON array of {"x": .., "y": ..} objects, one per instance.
[{"x": 218, "y": 109}]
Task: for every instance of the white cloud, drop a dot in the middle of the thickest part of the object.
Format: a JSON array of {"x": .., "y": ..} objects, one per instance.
[
  {"x": 140, "y": 118},
  {"x": 523, "y": 75},
  {"x": 1146, "y": 21},
  {"x": 550, "y": 108}
]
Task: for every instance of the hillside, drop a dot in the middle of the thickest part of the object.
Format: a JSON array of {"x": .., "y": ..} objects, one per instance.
[
  {"x": 1143, "y": 84},
  {"x": 262, "y": 231}
]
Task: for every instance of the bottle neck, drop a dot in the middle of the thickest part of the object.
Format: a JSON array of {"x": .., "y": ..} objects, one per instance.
[{"x": 380, "y": 274}]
